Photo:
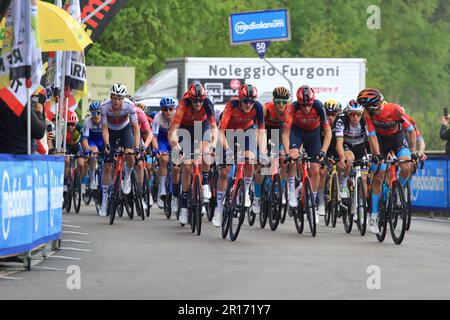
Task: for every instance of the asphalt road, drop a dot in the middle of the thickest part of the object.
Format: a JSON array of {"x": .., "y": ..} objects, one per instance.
[{"x": 158, "y": 259}]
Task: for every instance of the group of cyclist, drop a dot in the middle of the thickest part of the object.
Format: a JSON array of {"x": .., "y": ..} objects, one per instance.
[{"x": 280, "y": 129}]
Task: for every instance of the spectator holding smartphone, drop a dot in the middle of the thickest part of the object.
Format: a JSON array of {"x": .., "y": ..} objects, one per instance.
[{"x": 445, "y": 131}]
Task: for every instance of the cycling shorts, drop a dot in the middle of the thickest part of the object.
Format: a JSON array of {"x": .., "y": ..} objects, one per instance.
[
  {"x": 186, "y": 136},
  {"x": 310, "y": 139},
  {"x": 120, "y": 138}
]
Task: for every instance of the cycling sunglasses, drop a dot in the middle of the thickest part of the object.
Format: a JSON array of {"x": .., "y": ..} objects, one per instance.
[
  {"x": 331, "y": 113},
  {"x": 96, "y": 113},
  {"x": 248, "y": 101},
  {"x": 280, "y": 101},
  {"x": 167, "y": 109},
  {"x": 198, "y": 100},
  {"x": 355, "y": 113},
  {"x": 71, "y": 124}
]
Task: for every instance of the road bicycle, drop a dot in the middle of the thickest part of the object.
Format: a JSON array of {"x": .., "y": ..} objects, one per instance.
[
  {"x": 73, "y": 192},
  {"x": 332, "y": 197},
  {"x": 306, "y": 202}
]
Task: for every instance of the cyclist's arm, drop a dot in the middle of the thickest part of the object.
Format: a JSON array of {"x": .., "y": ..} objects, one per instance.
[
  {"x": 148, "y": 138},
  {"x": 327, "y": 138},
  {"x": 421, "y": 144},
  {"x": 214, "y": 134},
  {"x": 226, "y": 115},
  {"x": 285, "y": 138},
  {"x": 340, "y": 139},
  {"x": 137, "y": 134},
  {"x": 412, "y": 137},
  {"x": 85, "y": 144},
  {"x": 155, "y": 142},
  {"x": 261, "y": 132},
  {"x": 172, "y": 135},
  {"x": 105, "y": 133}
]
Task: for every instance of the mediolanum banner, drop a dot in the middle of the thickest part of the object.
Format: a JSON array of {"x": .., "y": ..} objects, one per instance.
[
  {"x": 100, "y": 80},
  {"x": 31, "y": 198}
]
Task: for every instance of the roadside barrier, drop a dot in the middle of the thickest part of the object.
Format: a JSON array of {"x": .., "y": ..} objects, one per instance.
[
  {"x": 31, "y": 197},
  {"x": 430, "y": 187}
]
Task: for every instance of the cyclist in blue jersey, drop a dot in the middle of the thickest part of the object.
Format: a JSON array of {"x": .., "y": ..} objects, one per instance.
[
  {"x": 93, "y": 139},
  {"x": 161, "y": 146}
]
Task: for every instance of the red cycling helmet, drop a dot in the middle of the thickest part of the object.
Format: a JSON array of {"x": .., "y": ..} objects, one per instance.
[
  {"x": 306, "y": 95},
  {"x": 248, "y": 91},
  {"x": 72, "y": 117},
  {"x": 197, "y": 92}
]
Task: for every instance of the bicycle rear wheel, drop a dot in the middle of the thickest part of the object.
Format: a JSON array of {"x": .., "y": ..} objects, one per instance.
[
  {"x": 237, "y": 212},
  {"x": 137, "y": 195},
  {"x": 361, "y": 210},
  {"x": 114, "y": 198},
  {"x": 227, "y": 208},
  {"x": 327, "y": 200},
  {"x": 335, "y": 206},
  {"x": 397, "y": 213},
  {"x": 88, "y": 194},
  {"x": 274, "y": 212},
  {"x": 146, "y": 193},
  {"x": 310, "y": 207},
  {"x": 284, "y": 207},
  {"x": 265, "y": 191},
  {"x": 77, "y": 191}
]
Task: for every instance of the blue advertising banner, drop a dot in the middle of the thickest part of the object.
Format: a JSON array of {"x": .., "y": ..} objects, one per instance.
[
  {"x": 430, "y": 186},
  {"x": 247, "y": 27},
  {"x": 30, "y": 201}
]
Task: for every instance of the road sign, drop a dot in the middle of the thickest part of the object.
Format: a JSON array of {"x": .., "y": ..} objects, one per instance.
[
  {"x": 248, "y": 27},
  {"x": 261, "y": 48}
]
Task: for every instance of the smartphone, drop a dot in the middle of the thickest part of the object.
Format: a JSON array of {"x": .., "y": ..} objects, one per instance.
[
  {"x": 49, "y": 128},
  {"x": 445, "y": 112}
]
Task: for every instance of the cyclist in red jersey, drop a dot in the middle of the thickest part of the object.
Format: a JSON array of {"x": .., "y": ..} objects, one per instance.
[
  {"x": 195, "y": 117},
  {"x": 238, "y": 120},
  {"x": 302, "y": 131},
  {"x": 386, "y": 123},
  {"x": 275, "y": 115},
  {"x": 420, "y": 142}
]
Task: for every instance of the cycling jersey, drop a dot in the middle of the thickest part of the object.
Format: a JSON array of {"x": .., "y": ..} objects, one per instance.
[
  {"x": 144, "y": 125},
  {"x": 390, "y": 121},
  {"x": 73, "y": 138},
  {"x": 234, "y": 118},
  {"x": 93, "y": 133},
  {"x": 414, "y": 124},
  {"x": 117, "y": 120},
  {"x": 351, "y": 135},
  {"x": 185, "y": 114},
  {"x": 307, "y": 121},
  {"x": 272, "y": 120},
  {"x": 161, "y": 127}
]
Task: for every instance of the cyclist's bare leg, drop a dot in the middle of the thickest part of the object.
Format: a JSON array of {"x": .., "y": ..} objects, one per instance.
[{"x": 130, "y": 162}]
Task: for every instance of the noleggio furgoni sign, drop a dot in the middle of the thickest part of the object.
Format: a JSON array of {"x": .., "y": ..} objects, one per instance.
[{"x": 272, "y": 25}]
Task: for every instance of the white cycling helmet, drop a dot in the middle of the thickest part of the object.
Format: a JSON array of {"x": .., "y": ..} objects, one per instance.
[{"x": 119, "y": 89}]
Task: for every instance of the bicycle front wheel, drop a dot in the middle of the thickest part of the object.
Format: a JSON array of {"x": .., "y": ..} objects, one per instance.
[
  {"x": 265, "y": 190},
  {"x": 274, "y": 213},
  {"x": 137, "y": 195},
  {"x": 198, "y": 203},
  {"x": 397, "y": 213},
  {"x": 114, "y": 199},
  {"x": 310, "y": 207},
  {"x": 408, "y": 205},
  {"x": 361, "y": 210},
  {"x": 237, "y": 212},
  {"x": 77, "y": 191}
]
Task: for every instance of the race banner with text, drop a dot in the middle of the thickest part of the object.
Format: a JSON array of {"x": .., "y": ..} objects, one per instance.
[
  {"x": 98, "y": 22},
  {"x": 75, "y": 68},
  {"x": 31, "y": 197},
  {"x": 20, "y": 56}
]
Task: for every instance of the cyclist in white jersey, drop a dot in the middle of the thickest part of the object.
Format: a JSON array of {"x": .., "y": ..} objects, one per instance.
[{"x": 119, "y": 123}]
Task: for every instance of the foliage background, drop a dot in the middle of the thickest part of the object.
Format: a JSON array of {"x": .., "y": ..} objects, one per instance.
[{"x": 408, "y": 58}]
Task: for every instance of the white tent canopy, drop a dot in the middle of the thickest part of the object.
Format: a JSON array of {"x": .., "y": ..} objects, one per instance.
[{"x": 162, "y": 84}]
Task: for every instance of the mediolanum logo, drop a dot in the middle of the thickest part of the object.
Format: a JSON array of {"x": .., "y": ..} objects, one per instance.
[
  {"x": 16, "y": 202},
  {"x": 241, "y": 27}
]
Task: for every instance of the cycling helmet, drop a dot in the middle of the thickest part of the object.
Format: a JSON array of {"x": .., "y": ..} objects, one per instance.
[
  {"x": 167, "y": 103},
  {"x": 72, "y": 117},
  {"x": 370, "y": 98},
  {"x": 332, "y": 105},
  {"x": 196, "y": 91},
  {"x": 248, "y": 91},
  {"x": 119, "y": 89},
  {"x": 354, "y": 106},
  {"x": 305, "y": 95},
  {"x": 281, "y": 93},
  {"x": 94, "y": 106}
]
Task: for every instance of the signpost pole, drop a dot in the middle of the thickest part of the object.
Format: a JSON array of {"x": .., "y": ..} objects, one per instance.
[{"x": 287, "y": 79}]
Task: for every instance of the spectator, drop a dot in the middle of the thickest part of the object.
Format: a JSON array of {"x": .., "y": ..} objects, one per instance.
[
  {"x": 13, "y": 132},
  {"x": 445, "y": 133}
]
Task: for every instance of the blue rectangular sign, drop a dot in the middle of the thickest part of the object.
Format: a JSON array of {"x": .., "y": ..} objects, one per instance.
[
  {"x": 273, "y": 25},
  {"x": 429, "y": 187},
  {"x": 30, "y": 201}
]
